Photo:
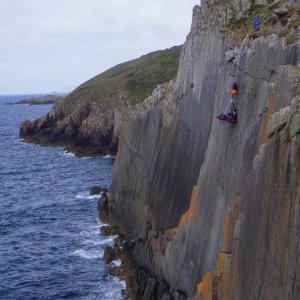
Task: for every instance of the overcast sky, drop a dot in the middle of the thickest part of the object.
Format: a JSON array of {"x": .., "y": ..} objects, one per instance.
[{"x": 55, "y": 45}]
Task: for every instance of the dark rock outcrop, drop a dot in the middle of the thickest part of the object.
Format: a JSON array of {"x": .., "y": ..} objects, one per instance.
[
  {"x": 214, "y": 207},
  {"x": 109, "y": 230},
  {"x": 95, "y": 190},
  {"x": 109, "y": 254}
]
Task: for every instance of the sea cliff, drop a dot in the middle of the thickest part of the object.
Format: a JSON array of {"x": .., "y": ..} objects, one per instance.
[{"x": 213, "y": 208}]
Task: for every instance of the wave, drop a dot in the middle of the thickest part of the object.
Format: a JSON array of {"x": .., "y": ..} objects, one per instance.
[
  {"x": 114, "y": 293},
  {"x": 108, "y": 240},
  {"x": 88, "y": 254},
  {"x": 67, "y": 153},
  {"x": 86, "y": 195},
  {"x": 116, "y": 262}
]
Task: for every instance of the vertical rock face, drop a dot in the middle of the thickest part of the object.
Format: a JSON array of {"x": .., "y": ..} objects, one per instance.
[{"x": 214, "y": 207}]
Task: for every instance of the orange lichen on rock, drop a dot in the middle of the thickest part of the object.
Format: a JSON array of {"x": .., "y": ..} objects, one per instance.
[
  {"x": 204, "y": 287},
  {"x": 188, "y": 216},
  {"x": 172, "y": 231},
  {"x": 211, "y": 285},
  {"x": 221, "y": 261},
  {"x": 193, "y": 209},
  {"x": 164, "y": 85},
  {"x": 208, "y": 288}
]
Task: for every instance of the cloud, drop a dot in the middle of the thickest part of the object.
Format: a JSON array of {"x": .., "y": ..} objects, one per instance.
[
  {"x": 69, "y": 35},
  {"x": 37, "y": 22},
  {"x": 68, "y": 89}
]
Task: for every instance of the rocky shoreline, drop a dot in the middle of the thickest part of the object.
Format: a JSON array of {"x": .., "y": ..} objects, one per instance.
[
  {"x": 140, "y": 284},
  {"x": 95, "y": 133}
]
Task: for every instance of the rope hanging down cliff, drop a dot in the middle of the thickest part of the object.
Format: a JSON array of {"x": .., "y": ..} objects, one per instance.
[
  {"x": 244, "y": 42},
  {"x": 232, "y": 116}
]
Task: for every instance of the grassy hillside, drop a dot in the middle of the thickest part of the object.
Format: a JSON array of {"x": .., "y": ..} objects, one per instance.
[
  {"x": 88, "y": 120},
  {"x": 130, "y": 82},
  {"x": 48, "y": 99}
]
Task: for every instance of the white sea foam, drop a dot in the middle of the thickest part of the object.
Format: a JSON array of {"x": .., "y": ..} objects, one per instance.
[
  {"x": 109, "y": 156},
  {"x": 113, "y": 289},
  {"x": 116, "y": 262},
  {"x": 86, "y": 195},
  {"x": 113, "y": 294},
  {"x": 108, "y": 240},
  {"x": 92, "y": 242},
  {"x": 88, "y": 254},
  {"x": 103, "y": 224},
  {"x": 67, "y": 153}
]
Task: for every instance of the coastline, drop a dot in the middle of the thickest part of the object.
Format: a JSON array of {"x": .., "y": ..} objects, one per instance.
[
  {"x": 78, "y": 150},
  {"x": 39, "y": 100},
  {"x": 139, "y": 282}
]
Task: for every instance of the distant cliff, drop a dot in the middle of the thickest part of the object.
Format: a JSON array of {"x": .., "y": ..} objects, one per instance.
[
  {"x": 89, "y": 120},
  {"x": 213, "y": 207},
  {"x": 41, "y": 100}
]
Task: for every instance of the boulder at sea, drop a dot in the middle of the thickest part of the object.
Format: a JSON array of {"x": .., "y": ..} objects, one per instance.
[
  {"x": 95, "y": 190},
  {"x": 109, "y": 254}
]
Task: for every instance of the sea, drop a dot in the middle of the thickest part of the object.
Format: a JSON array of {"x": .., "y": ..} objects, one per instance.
[{"x": 50, "y": 244}]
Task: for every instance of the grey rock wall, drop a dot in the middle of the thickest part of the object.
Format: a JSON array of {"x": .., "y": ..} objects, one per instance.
[{"x": 214, "y": 207}]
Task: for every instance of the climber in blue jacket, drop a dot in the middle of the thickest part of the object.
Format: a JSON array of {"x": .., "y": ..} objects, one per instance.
[{"x": 256, "y": 22}]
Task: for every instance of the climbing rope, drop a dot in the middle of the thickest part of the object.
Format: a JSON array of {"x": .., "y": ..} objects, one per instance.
[
  {"x": 226, "y": 109},
  {"x": 243, "y": 44},
  {"x": 239, "y": 56},
  {"x": 240, "y": 53}
]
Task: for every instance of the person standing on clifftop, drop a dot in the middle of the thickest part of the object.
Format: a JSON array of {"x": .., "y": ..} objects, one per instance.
[{"x": 256, "y": 22}]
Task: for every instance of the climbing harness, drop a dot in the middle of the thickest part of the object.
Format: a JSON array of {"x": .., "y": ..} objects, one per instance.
[{"x": 232, "y": 117}]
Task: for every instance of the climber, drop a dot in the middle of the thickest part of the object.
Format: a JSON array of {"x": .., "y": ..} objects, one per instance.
[
  {"x": 233, "y": 112},
  {"x": 256, "y": 22},
  {"x": 232, "y": 116},
  {"x": 234, "y": 90}
]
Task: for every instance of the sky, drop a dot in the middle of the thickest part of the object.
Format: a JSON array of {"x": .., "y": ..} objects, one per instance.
[{"x": 55, "y": 45}]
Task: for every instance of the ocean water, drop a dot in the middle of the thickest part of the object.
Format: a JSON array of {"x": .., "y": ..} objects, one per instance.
[{"x": 50, "y": 246}]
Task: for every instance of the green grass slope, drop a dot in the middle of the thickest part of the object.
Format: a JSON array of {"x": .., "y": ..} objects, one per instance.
[{"x": 130, "y": 82}]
